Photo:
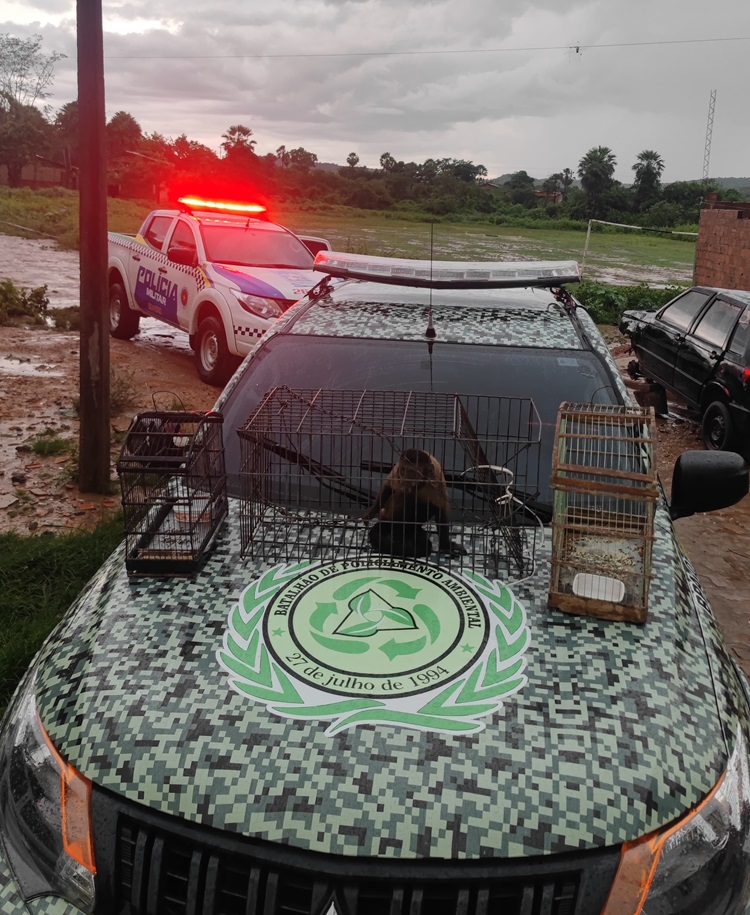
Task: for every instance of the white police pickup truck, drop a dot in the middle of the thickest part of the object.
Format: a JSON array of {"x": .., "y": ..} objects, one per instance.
[{"x": 219, "y": 270}]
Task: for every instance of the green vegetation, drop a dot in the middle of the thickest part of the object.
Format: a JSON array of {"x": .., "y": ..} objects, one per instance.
[
  {"x": 49, "y": 443},
  {"x": 22, "y": 306},
  {"x": 606, "y": 304},
  {"x": 612, "y": 255},
  {"x": 68, "y": 318},
  {"x": 122, "y": 392},
  {"x": 39, "y": 579},
  {"x": 53, "y": 213}
]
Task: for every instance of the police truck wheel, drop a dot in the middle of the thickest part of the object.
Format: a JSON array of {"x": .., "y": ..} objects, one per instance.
[
  {"x": 717, "y": 427},
  {"x": 123, "y": 321},
  {"x": 212, "y": 357}
]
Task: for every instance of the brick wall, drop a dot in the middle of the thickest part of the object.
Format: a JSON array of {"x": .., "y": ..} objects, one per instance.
[{"x": 722, "y": 255}]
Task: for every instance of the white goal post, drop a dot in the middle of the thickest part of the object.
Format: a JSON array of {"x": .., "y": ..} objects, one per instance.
[{"x": 622, "y": 225}]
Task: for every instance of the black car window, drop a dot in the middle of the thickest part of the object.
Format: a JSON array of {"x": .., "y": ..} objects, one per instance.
[
  {"x": 682, "y": 311},
  {"x": 183, "y": 237},
  {"x": 717, "y": 323},
  {"x": 157, "y": 231},
  {"x": 740, "y": 341},
  {"x": 546, "y": 376}
]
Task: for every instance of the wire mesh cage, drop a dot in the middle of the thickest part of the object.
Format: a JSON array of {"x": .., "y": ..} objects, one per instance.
[
  {"x": 342, "y": 474},
  {"x": 173, "y": 485},
  {"x": 605, "y": 492}
]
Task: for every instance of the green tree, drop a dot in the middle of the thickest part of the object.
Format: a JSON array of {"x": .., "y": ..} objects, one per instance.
[
  {"x": 23, "y": 134},
  {"x": 302, "y": 159},
  {"x": 596, "y": 171},
  {"x": 282, "y": 156},
  {"x": 25, "y": 72},
  {"x": 65, "y": 140},
  {"x": 237, "y": 142},
  {"x": 462, "y": 169},
  {"x": 124, "y": 135},
  {"x": 566, "y": 181},
  {"x": 647, "y": 184},
  {"x": 388, "y": 163},
  {"x": 66, "y": 125},
  {"x": 193, "y": 156},
  {"x": 520, "y": 189}
]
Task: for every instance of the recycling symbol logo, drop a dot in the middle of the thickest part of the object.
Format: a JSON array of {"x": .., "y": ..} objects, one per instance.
[
  {"x": 355, "y": 643},
  {"x": 371, "y": 613}
]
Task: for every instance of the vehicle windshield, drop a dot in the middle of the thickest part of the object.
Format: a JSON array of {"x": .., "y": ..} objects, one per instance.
[
  {"x": 255, "y": 246},
  {"x": 547, "y": 377}
]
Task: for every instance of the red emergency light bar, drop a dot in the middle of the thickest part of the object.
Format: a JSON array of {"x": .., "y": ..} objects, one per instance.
[{"x": 222, "y": 206}]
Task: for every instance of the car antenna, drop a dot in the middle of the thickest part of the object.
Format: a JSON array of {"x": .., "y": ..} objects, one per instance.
[{"x": 430, "y": 331}]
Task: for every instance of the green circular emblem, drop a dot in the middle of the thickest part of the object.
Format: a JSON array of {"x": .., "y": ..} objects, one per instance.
[
  {"x": 357, "y": 642},
  {"x": 351, "y": 629}
]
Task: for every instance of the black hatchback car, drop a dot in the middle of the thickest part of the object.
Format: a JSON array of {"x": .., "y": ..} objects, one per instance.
[{"x": 698, "y": 347}]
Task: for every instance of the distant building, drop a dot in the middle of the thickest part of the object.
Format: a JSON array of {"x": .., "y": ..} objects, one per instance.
[
  {"x": 42, "y": 173},
  {"x": 549, "y": 196},
  {"x": 722, "y": 255}
]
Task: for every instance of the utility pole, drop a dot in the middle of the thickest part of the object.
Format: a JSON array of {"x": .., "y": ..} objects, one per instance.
[{"x": 94, "y": 440}]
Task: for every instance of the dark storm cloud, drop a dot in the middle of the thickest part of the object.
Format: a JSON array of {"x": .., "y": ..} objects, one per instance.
[{"x": 513, "y": 86}]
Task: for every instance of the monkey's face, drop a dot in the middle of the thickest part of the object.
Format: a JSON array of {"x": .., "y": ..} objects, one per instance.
[{"x": 414, "y": 469}]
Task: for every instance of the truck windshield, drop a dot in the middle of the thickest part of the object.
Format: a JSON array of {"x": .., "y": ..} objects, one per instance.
[{"x": 255, "y": 247}]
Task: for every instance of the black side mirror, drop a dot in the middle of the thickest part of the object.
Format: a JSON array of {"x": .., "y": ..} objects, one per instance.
[
  {"x": 704, "y": 481},
  {"x": 185, "y": 256}
]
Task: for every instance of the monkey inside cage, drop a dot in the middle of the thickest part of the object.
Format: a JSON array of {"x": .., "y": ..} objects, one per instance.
[{"x": 345, "y": 474}]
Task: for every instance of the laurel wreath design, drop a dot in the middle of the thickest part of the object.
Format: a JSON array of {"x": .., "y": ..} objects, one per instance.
[{"x": 455, "y": 708}]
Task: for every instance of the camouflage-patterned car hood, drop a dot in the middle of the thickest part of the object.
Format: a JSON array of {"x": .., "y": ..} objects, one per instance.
[{"x": 569, "y": 733}]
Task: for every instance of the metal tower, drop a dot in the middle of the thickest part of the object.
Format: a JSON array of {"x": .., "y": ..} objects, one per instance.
[{"x": 709, "y": 131}]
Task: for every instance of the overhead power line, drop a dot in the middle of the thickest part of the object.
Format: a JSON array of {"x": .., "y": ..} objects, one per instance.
[{"x": 577, "y": 48}]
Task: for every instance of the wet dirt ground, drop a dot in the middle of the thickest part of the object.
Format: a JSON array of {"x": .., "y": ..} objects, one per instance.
[{"x": 39, "y": 390}]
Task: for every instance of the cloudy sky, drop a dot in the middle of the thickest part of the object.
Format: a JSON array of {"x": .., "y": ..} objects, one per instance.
[{"x": 510, "y": 84}]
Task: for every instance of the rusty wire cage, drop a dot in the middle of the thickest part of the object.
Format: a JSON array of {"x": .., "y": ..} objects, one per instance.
[
  {"x": 313, "y": 462},
  {"x": 605, "y": 492},
  {"x": 173, "y": 485}
]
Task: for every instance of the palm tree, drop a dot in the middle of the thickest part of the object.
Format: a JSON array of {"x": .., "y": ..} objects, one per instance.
[
  {"x": 237, "y": 139},
  {"x": 596, "y": 170},
  {"x": 566, "y": 181},
  {"x": 648, "y": 169}
]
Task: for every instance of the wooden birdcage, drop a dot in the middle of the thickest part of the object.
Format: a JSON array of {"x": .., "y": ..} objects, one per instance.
[
  {"x": 174, "y": 494},
  {"x": 313, "y": 462},
  {"x": 605, "y": 492}
]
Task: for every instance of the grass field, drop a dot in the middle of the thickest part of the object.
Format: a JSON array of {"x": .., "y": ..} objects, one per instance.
[
  {"x": 612, "y": 257},
  {"x": 622, "y": 257}
]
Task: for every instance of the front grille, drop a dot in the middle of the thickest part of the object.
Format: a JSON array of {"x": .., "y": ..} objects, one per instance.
[{"x": 157, "y": 865}]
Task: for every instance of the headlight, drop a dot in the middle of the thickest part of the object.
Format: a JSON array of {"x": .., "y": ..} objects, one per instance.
[
  {"x": 45, "y": 818},
  {"x": 257, "y": 305},
  {"x": 700, "y": 865}
]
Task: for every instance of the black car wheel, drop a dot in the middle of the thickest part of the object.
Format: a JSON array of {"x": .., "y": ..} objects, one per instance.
[
  {"x": 123, "y": 321},
  {"x": 717, "y": 427},
  {"x": 212, "y": 357}
]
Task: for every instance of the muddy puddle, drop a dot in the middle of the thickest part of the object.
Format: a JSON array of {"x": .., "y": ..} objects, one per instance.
[{"x": 30, "y": 263}]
